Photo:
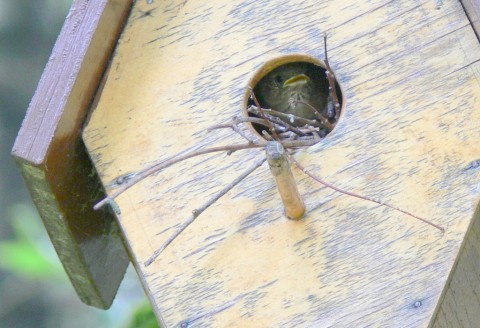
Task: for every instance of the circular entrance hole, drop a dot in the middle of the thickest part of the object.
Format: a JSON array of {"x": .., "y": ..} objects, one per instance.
[{"x": 293, "y": 92}]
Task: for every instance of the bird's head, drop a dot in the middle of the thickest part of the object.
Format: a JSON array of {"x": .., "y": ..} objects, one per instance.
[{"x": 287, "y": 86}]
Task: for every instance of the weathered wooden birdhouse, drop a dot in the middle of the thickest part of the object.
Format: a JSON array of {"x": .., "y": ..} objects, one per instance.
[{"x": 133, "y": 85}]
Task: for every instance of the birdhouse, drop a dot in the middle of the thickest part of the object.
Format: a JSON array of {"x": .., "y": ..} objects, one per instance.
[{"x": 151, "y": 106}]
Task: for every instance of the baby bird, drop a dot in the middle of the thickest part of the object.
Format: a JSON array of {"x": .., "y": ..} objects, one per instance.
[{"x": 288, "y": 87}]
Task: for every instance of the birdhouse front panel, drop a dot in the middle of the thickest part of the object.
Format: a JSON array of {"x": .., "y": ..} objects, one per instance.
[{"x": 407, "y": 134}]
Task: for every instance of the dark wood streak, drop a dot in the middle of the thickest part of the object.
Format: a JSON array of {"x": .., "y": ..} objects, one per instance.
[
  {"x": 225, "y": 306},
  {"x": 472, "y": 8}
]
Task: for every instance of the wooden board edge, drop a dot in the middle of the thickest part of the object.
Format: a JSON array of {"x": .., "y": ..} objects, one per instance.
[
  {"x": 54, "y": 161},
  {"x": 79, "y": 58},
  {"x": 459, "y": 305},
  {"x": 472, "y": 9},
  {"x": 93, "y": 284}
]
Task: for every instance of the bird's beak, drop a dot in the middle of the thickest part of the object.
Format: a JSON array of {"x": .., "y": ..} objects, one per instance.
[{"x": 296, "y": 80}]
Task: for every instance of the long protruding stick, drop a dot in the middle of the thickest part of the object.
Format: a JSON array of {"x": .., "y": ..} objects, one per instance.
[
  {"x": 377, "y": 201},
  {"x": 286, "y": 184}
]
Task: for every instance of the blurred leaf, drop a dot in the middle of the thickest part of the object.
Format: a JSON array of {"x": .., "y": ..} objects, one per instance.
[
  {"x": 143, "y": 317},
  {"x": 23, "y": 258},
  {"x": 28, "y": 254},
  {"x": 25, "y": 221}
]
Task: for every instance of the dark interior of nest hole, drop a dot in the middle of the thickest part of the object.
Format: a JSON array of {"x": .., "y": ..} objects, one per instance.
[{"x": 272, "y": 95}]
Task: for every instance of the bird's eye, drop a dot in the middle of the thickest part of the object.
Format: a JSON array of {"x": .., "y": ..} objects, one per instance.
[{"x": 278, "y": 79}]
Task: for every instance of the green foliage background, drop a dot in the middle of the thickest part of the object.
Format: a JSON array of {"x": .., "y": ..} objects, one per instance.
[{"x": 34, "y": 289}]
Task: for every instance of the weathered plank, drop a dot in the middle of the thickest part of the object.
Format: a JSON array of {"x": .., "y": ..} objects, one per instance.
[
  {"x": 407, "y": 132},
  {"x": 53, "y": 159}
]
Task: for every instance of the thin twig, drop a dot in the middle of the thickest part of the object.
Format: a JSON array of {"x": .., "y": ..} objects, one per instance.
[
  {"x": 178, "y": 158},
  {"x": 331, "y": 80},
  {"x": 250, "y": 119},
  {"x": 377, "y": 201},
  {"x": 288, "y": 127},
  {"x": 281, "y": 126},
  {"x": 309, "y": 130},
  {"x": 234, "y": 126},
  {"x": 168, "y": 162},
  {"x": 286, "y": 117},
  {"x": 262, "y": 113},
  {"x": 322, "y": 119},
  {"x": 196, "y": 213},
  {"x": 288, "y": 135}
]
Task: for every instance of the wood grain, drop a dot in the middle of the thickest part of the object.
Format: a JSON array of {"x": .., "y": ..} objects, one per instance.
[
  {"x": 409, "y": 127},
  {"x": 53, "y": 159}
]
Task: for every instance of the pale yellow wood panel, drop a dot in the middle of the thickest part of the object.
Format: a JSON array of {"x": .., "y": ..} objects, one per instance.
[{"x": 409, "y": 129}]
